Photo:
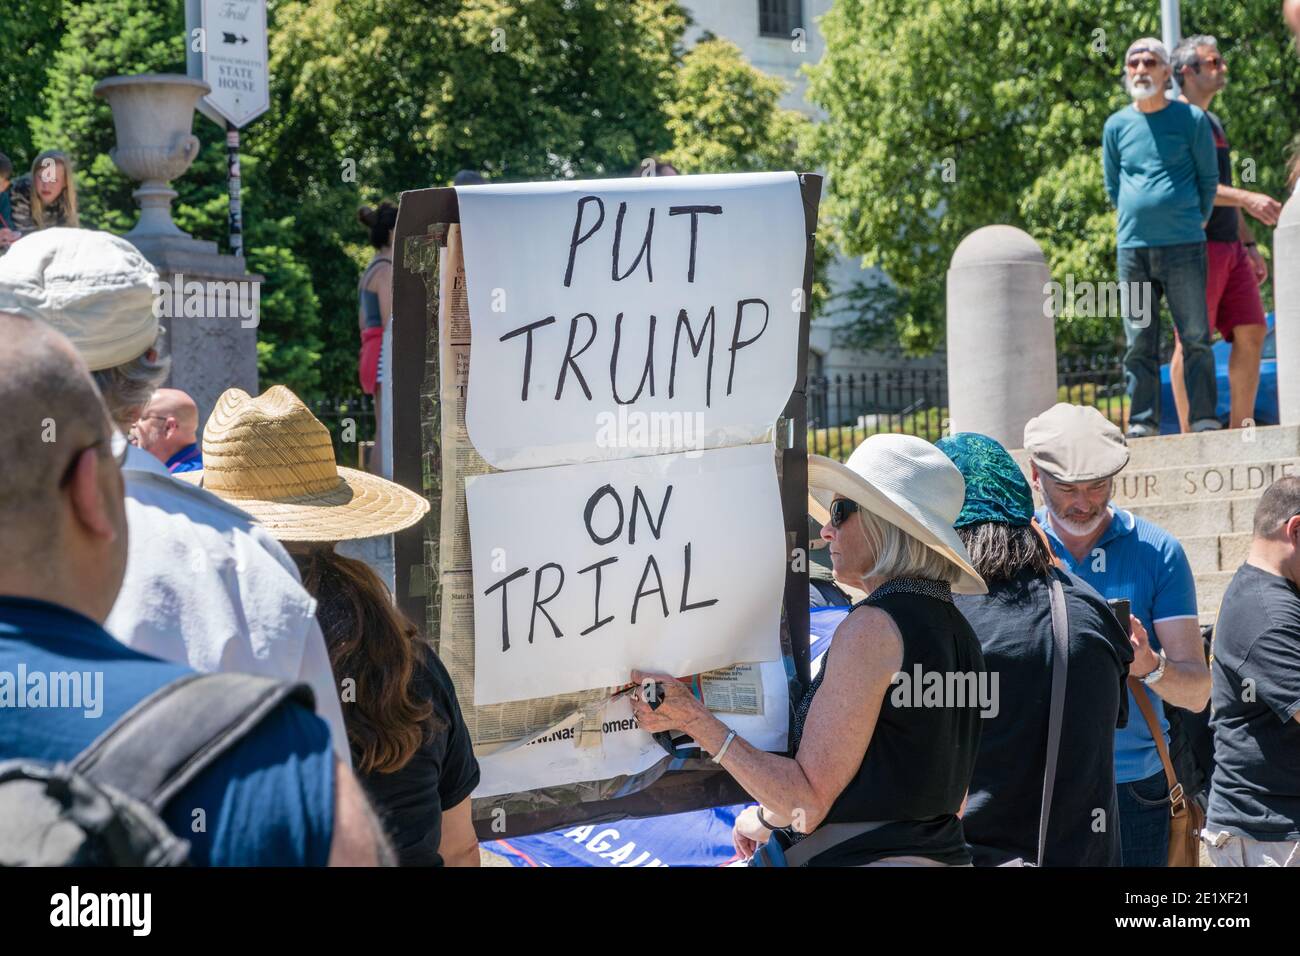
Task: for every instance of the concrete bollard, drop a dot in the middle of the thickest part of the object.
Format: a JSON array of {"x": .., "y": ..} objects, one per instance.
[
  {"x": 1001, "y": 337},
  {"x": 1286, "y": 308}
]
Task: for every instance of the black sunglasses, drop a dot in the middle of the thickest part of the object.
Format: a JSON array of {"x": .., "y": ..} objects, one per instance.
[{"x": 841, "y": 508}]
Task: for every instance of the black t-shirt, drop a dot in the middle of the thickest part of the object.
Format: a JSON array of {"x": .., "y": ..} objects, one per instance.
[
  {"x": 1014, "y": 625},
  {"x": 1224, "y": 224},
  {"x": 442, "y": 773},
  {"x": 1255, "y": 698}
]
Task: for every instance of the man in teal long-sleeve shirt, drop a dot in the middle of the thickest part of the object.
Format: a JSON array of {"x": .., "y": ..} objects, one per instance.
[{"x": 1162, "y": 175}]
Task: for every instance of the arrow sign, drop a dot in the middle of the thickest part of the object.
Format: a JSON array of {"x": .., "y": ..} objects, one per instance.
[{"x": 236, "y": 67}]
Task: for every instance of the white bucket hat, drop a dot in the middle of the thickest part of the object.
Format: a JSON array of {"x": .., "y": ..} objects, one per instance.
[
  {"x": 94, "y": 287},
  {"x": 907, "y": 482}
]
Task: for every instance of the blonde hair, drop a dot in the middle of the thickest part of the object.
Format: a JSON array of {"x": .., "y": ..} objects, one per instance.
[
  {"x": 68, "y": 197},
  {"x": 899, "y": 555}
]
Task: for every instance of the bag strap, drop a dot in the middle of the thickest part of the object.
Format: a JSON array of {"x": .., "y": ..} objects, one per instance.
[
  {"x": 1177, "y": 802},
  {"x": 166, "y": 740},
  {"x": 1056, "y": 711},
  {"x": 824, "y": 837}
]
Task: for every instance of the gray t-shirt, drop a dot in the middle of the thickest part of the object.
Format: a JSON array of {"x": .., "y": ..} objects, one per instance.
[{"x": 1256, "y": 695}]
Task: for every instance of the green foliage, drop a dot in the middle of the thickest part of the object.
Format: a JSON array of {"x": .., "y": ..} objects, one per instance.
[
  {"x": 114, "y": 37},
  {"x": 29, "y": 32},
  {"x": 363, "y": 109},
  {"x": 945, "y": 117},
  {"x": 725, "y": 116},
  {"x": 373, "y": 97}
]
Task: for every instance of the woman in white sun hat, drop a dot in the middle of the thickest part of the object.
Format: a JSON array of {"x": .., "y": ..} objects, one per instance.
[
  {"x": 885, "y": 739},
  {"x": 411, "y": 749}
]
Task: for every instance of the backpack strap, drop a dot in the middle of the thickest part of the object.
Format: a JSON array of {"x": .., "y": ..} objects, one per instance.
[
  {"x": 166, "y": 740},
  {"x": 1056, "y": 711}
]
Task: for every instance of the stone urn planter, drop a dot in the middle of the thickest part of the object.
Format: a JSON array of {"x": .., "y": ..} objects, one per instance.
[{"x": 153, "y": 114}]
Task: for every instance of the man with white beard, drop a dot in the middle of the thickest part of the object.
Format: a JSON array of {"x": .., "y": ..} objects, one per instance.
[
  {"x": 1162, "y": 175},
  {"x": 1075, "y": 453}
]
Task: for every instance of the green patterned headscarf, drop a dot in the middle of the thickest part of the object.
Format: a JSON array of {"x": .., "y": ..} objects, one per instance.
[{"x": 996, "y": 489}]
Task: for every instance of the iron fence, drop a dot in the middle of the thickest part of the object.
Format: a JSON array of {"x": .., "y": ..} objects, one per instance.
[
  {"x": 351, "y": 422},
  {"x": 845, "y": 409}
]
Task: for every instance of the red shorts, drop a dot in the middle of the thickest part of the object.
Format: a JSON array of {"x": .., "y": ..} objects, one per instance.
[
  {"x": 1231, "y": 292},
  {"x": 368, "y": 360}
]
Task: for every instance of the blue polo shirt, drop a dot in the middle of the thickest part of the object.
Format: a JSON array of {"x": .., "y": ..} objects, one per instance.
[
  {"x": 268, "y": 801},
  {"x": 189, "y": 458},
  {"x": 1143, "y": 562}
]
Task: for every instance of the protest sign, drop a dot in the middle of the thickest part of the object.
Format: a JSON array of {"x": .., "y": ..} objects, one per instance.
[
  {"x": 469, "y": 433},
  {"x": 632, "y": 316},
  {"x": 583, "y": 572}
]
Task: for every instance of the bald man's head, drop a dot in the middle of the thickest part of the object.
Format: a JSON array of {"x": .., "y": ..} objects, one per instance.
[
  {"x": 52, "y": 410},
  {"x": 1291, "y": 13},
  {"x": 169, "y": 423}
]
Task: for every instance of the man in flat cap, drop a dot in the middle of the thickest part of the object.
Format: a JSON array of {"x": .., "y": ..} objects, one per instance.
[
  {"x": 1162, "y": 176},
  {"x": 204, "y": 585},
  {"x": 1075, "y": 453}
]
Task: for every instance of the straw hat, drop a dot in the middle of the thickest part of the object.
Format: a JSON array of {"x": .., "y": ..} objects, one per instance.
[
  {"x": 271, "y": 457},
  {"x": 907, "y": 482}
]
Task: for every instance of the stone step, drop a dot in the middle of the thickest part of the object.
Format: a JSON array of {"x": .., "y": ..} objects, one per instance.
[
  {"x": 1208, "y": 553},
  {"x": 1234, "y": 445},
  {"x": 1265, "y": 443},
  {"x": 1209, "y": 593},
  {"x": 1189, "y": 483},
  {"x": 1204, "y": 517}
]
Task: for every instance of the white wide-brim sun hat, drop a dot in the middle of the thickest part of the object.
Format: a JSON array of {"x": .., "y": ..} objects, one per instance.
[{"x": 907, "y": 482}]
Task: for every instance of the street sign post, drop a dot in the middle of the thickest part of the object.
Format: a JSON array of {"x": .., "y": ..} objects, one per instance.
[{"x": 227, "y": 49}]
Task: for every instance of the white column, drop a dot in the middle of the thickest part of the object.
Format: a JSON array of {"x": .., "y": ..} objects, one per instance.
[
  {"x": 1286, "y": 307},
  {"x": 1001, "y": 334}
]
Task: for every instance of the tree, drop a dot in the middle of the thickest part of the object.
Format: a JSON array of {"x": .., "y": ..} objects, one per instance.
[
  {"x": 946, "y": 117},
  {"x": 725, "y": 116},
  {"x": 30, "y": 31},
  {"x": 111, "y": 37},
  {"x": 373, "y": 98}
]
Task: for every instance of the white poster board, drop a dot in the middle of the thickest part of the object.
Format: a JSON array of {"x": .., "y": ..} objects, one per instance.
[
  {"x": 630, "y": 317},
  {"x": 672, "y": 564}
]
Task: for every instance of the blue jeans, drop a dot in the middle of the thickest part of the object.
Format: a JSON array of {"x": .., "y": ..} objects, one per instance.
[
  {"x": 1177, "y": 273},
  {"x": 1144, "y": 821}
]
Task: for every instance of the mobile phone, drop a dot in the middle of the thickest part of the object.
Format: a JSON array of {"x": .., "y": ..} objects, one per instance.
[{"x": 1120, "y": 608}]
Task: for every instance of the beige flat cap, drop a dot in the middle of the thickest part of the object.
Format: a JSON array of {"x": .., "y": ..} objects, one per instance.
[{"x": 1075, "y": 443}]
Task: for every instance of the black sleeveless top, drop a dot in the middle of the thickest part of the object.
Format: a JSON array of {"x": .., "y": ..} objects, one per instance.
[{"x": 919, "y": 762}]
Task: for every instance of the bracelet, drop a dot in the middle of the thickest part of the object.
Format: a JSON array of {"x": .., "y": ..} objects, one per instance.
[
  {"x": 763, "y": 820},
  {"x": 1154, "y": 677},
  {"x": 722, "y": 751}
]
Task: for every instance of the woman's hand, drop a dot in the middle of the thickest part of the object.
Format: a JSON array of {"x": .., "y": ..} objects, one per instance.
[
  {"x": 678, "y": 709},
  {"x": 748, "y": 834}
]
